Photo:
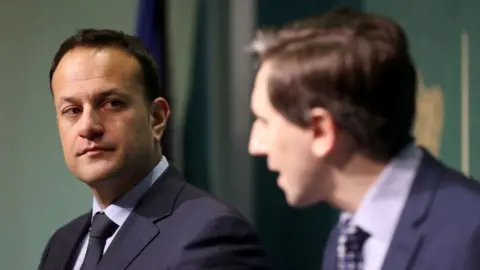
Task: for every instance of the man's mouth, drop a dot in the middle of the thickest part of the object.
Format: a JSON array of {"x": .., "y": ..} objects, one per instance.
[{"x": 94, "y": 150}]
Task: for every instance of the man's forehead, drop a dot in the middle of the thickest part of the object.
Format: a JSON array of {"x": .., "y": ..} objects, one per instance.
[
  {"x": 87, "y": 63},
  {"x": 259, "y": 92},
  {"x": 256, "y": 99},
  {"x": 88, "y": 72}
]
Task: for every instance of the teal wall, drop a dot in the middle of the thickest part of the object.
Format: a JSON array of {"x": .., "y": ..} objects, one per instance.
[
  {"x": 195, "y": 141},
  {"x": 434, "y": 34},
  {"x": 37, "y": 193}
]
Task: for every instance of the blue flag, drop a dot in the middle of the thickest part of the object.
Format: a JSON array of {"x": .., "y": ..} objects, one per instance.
[{"x": 151, "y": 29}]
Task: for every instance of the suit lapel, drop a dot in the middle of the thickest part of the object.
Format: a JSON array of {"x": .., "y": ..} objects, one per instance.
[
  {"x": 140, "y": 229},
  {"x": 132, "y": 238},
  {"x": 71, "y": 240},
  {"x": 330, "y": 254},
  {"x": 408, "y": 237}
]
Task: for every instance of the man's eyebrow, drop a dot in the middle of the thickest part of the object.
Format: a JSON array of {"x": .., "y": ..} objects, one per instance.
[
  {"x": 258, "y": 116},
  {"x": 112, "y": 92},
  {"x": 102, "y": 95},
  {"x": 68, "y": 100},
  {"x": 254, "y": 112}
]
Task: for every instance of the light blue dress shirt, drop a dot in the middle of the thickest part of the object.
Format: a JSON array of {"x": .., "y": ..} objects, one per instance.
[{"x": 380, "y": 209}]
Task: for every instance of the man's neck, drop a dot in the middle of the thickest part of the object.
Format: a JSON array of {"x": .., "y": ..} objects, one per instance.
[
  {"x": 110, "y": 190},
  {"x": 353, "y": 182}
]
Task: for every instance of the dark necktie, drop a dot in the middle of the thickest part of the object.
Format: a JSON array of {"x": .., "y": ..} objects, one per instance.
[
  {"x": 350, "y": 246},
  {"x": 100, "y": 230}
]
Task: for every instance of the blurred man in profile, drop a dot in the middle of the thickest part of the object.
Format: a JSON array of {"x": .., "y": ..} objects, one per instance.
[
  {"x": 105, "y": 88},
  {"x": 334, "y": 101}
]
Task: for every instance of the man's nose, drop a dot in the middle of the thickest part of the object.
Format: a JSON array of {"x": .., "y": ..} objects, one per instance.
[
  {"x": 91, "y": 126},
  {"x": 256, "y": 147}
]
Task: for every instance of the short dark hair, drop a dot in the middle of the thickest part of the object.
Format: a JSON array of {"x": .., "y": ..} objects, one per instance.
[
  {"x": 98, "y": 38},
  {"x": 356, "y": 65}
]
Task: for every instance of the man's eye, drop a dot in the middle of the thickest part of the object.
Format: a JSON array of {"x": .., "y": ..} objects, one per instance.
[
  {"x": 113, "y": 104},
  {"x": 72, "y": 111}
]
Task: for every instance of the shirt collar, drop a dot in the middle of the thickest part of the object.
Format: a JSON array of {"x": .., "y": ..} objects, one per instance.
[
  {"x": 383, "y": 204},
  {"x": 119, "y": 211}
]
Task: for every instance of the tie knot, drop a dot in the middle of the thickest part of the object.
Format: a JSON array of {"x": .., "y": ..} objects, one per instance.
[
  {"x": 102, "y": 226},
  {"x": 350, "y": 244},
  {"x": 352, "y": 234}
]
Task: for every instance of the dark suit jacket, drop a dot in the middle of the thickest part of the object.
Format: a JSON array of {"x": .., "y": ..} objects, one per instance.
[
  {"x": 439, "y": 228},
  {"x": 174, "y": 226}
]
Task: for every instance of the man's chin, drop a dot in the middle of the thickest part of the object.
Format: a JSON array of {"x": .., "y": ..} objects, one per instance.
[
  {"x": 93, "y": 177},
  {"x": 296, "y": 196},
  {"x": 298, "y": 201},
  {"x": 92, "y": 171},
  {"x": 291, "y": 196},
  {"x": 93, "y": 180}
]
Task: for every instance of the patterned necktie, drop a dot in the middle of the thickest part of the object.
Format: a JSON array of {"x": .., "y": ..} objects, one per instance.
[{"x": 350, "y": 245}]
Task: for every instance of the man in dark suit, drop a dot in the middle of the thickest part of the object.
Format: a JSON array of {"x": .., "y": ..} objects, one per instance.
[
  {"x": 144, "y": 216},
  {"x": 334, "y": 100}
]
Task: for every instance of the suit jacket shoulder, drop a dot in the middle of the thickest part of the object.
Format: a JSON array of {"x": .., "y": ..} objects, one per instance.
[
  {"x": 209, "y": 234},
  {"x": 438, "y": 221},
  {"x": 174, "y": 226},
  {"x": 63, "y": 245},
  {"x": 439, "y": 217}
]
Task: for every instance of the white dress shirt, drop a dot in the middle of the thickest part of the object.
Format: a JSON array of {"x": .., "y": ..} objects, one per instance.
[
  {"x": 380, "y": 209},
  {"x": 119, "y": 211}
]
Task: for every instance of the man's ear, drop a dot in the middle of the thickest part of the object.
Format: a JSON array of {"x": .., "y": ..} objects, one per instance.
[
  {"x": 323, "y": 129},
  {"x": 160, "y": 111}
]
